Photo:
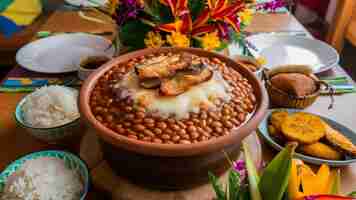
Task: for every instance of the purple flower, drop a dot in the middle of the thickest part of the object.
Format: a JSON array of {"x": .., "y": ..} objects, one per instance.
[
  {"x": 271, "y": 6},
  {"x": 223, "y": 31},
  {"x": 240, "y": 167},
  {"x": 128, "y": 9}
]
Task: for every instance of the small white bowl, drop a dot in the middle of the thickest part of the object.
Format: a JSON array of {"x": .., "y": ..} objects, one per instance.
[{"x": 61, "y": 134}]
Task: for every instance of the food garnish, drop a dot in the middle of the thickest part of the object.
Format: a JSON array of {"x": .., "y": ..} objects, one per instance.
[
  {"x": 303, "y": 127},
  {"x": 181, "y": 82},
  {"x": 339, "y": 140},
  {"x": 164, "y": 66},
  {"x": 321, "y": 150}
]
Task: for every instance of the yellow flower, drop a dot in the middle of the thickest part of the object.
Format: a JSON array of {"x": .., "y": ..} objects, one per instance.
[
  {"x": 153, "y": 40},
  {"x": 261, "y": 60},
  {"x": 210, "y": 41},
  {"x": 177, "y": 39},
  {"x": 111, "y": 5},
  {"x": 246, "y": 16}
]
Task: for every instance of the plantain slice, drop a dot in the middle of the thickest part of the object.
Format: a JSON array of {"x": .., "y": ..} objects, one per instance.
[
  {"x": 277, "y": 118},
  {"x": 340, "y": 141},
  {"x": 181, "y": 83},
  {"x": 321, "y": 150},
  {"x": 303, "y": 127},
  {"x": 165, "y": 67}
]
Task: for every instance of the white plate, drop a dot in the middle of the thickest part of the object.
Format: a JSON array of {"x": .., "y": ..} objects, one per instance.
[
  {"x": 61, "y": 53},
  {"x": 294, "y": 50},
  {"x": 87, "y": 3}
]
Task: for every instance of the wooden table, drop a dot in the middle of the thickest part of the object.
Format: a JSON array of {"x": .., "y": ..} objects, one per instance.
[{"x": 14, "y": 142}]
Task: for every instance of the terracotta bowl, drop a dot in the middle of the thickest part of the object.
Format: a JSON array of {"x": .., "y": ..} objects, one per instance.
[{"x": 165, "y": 165}]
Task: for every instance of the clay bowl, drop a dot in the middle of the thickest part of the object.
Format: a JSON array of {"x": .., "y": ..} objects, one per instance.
[{"x": 165, "y": 165}]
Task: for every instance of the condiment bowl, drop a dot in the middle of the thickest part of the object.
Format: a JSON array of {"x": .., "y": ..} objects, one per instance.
[
  {"x": 253, "y": 61},
  {"x": 84, "y": 71},
  {"x": 63, "y": 134},
  {"x": 71, "y": 161},
  {"x": 170, "y": 166}
]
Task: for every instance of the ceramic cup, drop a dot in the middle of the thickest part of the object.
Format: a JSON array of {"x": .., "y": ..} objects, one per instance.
[{"x": 89, "y": 64}]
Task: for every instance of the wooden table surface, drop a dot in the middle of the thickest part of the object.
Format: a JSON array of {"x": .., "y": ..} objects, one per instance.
[{"x": 14, "y": 141}]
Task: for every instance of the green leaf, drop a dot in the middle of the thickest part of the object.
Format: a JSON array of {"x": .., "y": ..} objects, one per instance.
[
  {"x": 132, "y": 34},
  {"x": 244, "y": 195},
  {"x": 196, "y": 7},
  {"x": 222, "y": 46},
  {"x": 335, "y": 188},
  {"x": 274, "y": 180},
  {"x": 252, "y": 177},
  {"x": 220, "y": 194},
  {"x": 234, "y": 185},
  {"x": 352, "y": 194}
]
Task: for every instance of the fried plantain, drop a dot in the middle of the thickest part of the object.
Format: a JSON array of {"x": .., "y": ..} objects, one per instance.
[
  {"x": 321, "y": 150},
  {"x": 303, "y": 127},
  {"x": 277, "y": 118},
  {"x": 340, "y": 141}
]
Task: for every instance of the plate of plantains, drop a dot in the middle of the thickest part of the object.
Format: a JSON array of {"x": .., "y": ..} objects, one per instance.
[{"x": 320, "y": 140}]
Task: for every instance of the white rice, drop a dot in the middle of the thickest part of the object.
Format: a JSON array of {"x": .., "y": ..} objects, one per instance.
[
  {"x": 50, "y": 107},
  {"x": 45, "y": 178}
]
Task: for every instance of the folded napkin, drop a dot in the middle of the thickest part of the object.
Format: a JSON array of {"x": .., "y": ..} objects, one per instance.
[
  {"x": 13, "y": 85},
  {"x": 340, "y": 85}
]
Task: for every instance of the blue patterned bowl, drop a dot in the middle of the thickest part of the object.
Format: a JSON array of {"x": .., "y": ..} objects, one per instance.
[
  {"x": 71, "y": 161},
  {"x": 54, "y": 135}
]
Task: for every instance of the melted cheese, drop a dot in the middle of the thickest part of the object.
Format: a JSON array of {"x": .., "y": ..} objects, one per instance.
[{"x": 179, "y": 106}]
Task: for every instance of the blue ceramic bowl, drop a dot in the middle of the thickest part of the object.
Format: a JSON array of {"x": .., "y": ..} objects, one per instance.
[
  {"x": 54, "y": 135},
  {"x": 263, "y": 131},
  {"x": 71, "y": 161}
]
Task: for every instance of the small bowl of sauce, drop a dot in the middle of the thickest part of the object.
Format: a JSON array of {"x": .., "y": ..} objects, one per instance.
[{"x": 89, "y": 64}]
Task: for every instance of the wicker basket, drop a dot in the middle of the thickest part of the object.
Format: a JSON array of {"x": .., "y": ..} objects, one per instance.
[{"x": 282, "y": 99}]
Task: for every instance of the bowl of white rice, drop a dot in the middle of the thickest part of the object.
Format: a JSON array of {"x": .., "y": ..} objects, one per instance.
[
  {"x": 50, "y": 114},
  {"x": 44, "y": 175}
]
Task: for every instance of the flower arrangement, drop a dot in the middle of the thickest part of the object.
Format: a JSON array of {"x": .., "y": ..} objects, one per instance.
[{"x": 207, "y": 24}]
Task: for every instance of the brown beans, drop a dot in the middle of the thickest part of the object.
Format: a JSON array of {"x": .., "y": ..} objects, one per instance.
[
  {"x": 165, "y": 136},
  {"x": 184, "y": 142},
  {"x": 192, "y": 129},
  {"x": 228, "y": 124},
  {"x": 147, "y": 139},
  {"x": 127, "y": 124},
  {"x": 181, "y": 124},
  {"x": 140, "y": 115},
  {"x": 161, "y": 125},
  {"x": 157, "y": 131},
  {"x": 150, "y": 125},
  {"x": 175, "y": 127},
  {"x": 182, "y": 132},
  {"x": 132, "y": 137},
  {"x": 130, "y": 116},
  {"x": 175, "y": 138},
  {"x": 149, "y": 121},
  {"x": 148, "y": 133},
  {"x": 139, "y": 127},
  {"x": 194, "y": 135},
  {"x": 216, "y": 124},
  {"x": 157, "y": 140}
]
